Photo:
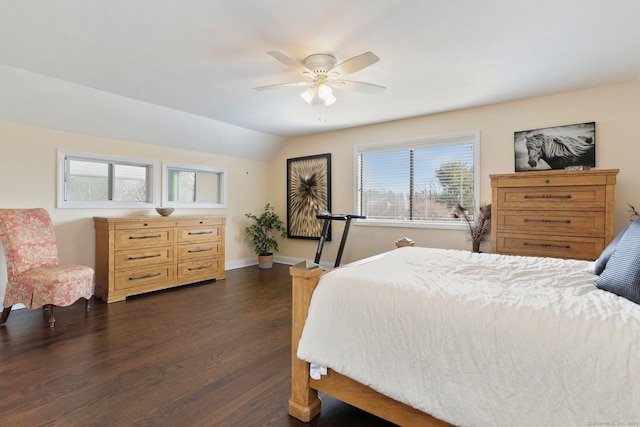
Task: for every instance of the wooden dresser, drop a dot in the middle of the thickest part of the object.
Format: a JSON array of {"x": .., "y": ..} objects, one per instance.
[
  {"x": 561, "y": 214},
  {"x": 140, "y": 254}
]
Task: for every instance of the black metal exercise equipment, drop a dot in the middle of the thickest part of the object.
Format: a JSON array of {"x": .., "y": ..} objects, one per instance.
[{"x": 328, "y": 217}]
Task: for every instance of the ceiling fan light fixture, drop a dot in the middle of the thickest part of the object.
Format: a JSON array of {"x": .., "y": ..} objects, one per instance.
[
  {"x": 326, "y": 94},
  {"x": 309, "y": 94},
  {"x": 319, "y": 95},
  {"x": 330, "y": 100},
  {"x": 324, "y": 91}
]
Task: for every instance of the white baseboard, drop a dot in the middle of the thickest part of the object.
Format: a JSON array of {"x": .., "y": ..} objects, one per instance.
[
  {"x": 232, "y": 265},
  {"x": 286, "y": 260},
  {"x": 293, "y": 261}
]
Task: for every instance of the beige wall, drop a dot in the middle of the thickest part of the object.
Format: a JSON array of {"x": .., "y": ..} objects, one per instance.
[
  {"x": 615, "y": 109},
  {"x": 28, "y": 164}
]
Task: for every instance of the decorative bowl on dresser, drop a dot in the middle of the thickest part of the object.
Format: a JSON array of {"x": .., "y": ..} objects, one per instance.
[
  {"x": 139, "y": 254},
  {"x": 561, "y": 214}
]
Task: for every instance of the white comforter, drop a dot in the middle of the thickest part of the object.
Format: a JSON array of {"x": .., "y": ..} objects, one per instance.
[{"x": 481, "y": 339}]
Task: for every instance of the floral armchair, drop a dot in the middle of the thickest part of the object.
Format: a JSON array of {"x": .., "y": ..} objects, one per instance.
[{"x": 34, "y": 277}]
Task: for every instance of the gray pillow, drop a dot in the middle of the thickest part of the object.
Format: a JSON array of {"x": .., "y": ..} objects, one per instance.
[
  {"x": 622, "y": 272},
  {"x": 602, "y": 260}
]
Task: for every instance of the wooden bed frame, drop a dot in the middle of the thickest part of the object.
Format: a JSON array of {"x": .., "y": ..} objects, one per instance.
[{"x": 305, "y": 404}]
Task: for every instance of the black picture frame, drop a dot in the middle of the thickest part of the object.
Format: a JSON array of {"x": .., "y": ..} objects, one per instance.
[
  {"x": 308, "y": 193},
  {"x": 559, "y": 147}
]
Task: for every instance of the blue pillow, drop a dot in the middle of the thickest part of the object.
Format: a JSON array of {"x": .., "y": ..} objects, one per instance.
[
  {"x": 622, "y": 272},
  {"x": 602, "y": 260}
]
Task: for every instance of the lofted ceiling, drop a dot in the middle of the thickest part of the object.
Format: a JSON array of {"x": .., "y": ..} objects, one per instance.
[{"x": 204, "y": 57}]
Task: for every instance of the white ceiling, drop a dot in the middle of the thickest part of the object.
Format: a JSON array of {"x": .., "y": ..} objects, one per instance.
[{"x": 204, "y": 56}]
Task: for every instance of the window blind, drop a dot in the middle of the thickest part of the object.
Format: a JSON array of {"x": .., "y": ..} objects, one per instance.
[{"x": 421, "y": 181}]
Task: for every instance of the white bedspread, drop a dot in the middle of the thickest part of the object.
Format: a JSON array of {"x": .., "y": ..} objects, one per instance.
[{"x": 481, "y": 339}]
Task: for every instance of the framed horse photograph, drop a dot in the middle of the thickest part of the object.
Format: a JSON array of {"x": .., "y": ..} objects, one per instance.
[{"x": 560, "y": 147}]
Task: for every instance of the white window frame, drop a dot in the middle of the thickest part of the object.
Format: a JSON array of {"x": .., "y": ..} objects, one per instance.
[
  {"x": 152, "y": 179},
  {"x": 192, "y": 168},
  {"x": 470, "y": 136}
]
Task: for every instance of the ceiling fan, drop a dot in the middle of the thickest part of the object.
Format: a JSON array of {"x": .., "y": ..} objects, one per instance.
[{"x": 322, "y": 74}]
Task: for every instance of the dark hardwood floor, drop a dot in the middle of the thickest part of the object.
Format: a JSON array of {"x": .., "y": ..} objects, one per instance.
[{"x": 210, "y": 354}]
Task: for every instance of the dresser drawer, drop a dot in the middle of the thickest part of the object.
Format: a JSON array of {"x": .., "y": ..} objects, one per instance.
[
  {"x": 140, "y": 224},
  {"x": 143, "y": 276},
  {"x": 550, "y": 246},
  {"x": 131, "y": 239},
  {"x": 580, "y": 223},
  {"x": 199, "y": 233},
  {"x": 555, "y": 178},
  {"x": 201, "y": 221},
  {"x": 552, "y": 198},
  {"x": 143, "y": 257},
  {"x": 199, "y": 250},
  {"x": 201, "y": 268}
]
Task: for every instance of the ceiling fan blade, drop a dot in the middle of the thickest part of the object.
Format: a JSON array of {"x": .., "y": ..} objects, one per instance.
[
  {"x": 357, "y": 86},
  {"x": 289, "y": 62},
  {"x": 281, "y": 85},
  {"x": 356, "y": 63}
]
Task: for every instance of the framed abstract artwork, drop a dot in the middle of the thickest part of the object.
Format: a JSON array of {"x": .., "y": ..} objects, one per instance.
[
  {"x": 308, "y": 193},
  {"x": 560, "y": 147}
]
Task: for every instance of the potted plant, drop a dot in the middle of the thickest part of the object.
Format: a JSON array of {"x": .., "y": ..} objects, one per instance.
[
  {"x": 263, "y": 232},
  {"x": 479, "y": 228}
]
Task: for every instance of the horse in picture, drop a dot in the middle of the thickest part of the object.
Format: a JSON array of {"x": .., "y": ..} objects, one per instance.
[{"x": 560, "y": 151}]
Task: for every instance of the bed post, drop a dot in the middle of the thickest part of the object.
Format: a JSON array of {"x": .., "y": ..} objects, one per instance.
[{"x": 304, "y": 403}]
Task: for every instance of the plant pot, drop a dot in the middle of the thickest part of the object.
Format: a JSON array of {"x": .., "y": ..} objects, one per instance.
[{"x": 265, "y": 261}]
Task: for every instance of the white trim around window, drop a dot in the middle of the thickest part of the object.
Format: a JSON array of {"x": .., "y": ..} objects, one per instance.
[
  {"x": 189, "y": 186},
  {"x": 69, "y": 195},
  {"x": 396, "y": 183}
]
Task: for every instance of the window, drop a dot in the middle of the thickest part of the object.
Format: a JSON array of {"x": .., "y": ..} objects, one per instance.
[
  {"x": 418, "y": 183},
  {"x": 94, "y": 181},
  {"x": 193, "y": 186}
]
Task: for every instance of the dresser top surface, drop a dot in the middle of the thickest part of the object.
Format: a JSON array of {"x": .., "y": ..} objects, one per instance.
[
  {"x": 156, "y": 217},
  {"x": 157, "y": 221},
  {"x": 555, "y": 172}
]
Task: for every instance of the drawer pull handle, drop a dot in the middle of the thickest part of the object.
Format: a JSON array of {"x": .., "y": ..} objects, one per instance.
[
  {"x": 193, "y": 251},
  {"x": 200, "y": 267},
  {"x": 146, "y": 276},
  {"x": 155, "y": 236},
  {"x": 547, "y": 196},
  {"x": 195, "y": 233},
  {"x": 546, "y": 221},
  {"x": 547, "y": 245},
  {"x": 144, "y": 256}
]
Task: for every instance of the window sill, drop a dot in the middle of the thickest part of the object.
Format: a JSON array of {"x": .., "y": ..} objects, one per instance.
[{"x": 442, "y": 225}]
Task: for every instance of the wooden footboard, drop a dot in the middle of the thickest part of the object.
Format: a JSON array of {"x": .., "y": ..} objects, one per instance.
[{"x": 305, "y": 404}]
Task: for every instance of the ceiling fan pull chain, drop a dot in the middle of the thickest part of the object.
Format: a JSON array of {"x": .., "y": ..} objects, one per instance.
[{"x": 322, "y": 114}]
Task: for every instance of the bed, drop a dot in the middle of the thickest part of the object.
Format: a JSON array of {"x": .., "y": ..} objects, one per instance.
[{"x": 436, "y": 337}]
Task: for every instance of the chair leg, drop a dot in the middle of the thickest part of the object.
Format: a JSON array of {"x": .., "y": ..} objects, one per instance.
[
  {"x": 5, "y": 315},
  {"x": 87, "y": 305},
  {"x": 52, "y": 319}
]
